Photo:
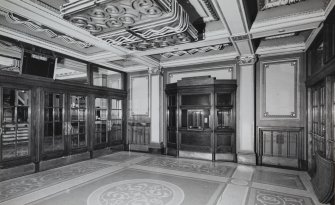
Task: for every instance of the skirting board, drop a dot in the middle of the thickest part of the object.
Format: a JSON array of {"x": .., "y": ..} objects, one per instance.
[
  {"x": 225, "y": 157},
  {"x": 280, "y": 161},
  {"x": 17, "y": 171},
  {"x": 58, "y": 162},
  {"x": 195, "y": 155},
  {"x": 246, "y": 158},
  {"x": 138, "y": 147}
]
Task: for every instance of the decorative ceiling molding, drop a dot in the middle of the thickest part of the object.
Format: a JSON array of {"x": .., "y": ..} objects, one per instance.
[
  {"x": 136, "y": 25},
  {"x": 195, "y": 50},
  {"x": 275, "y": 3},
  {"x": 285, "y": 24},
  {"x": 16, "y": 19},
  {"x": 206, "y": 10},
  {"x": 41, "y": 3},
  {"x": 246, "y": 60},
  {"x": 200, "y": 60},
  {"x": 280, "y": 36}
]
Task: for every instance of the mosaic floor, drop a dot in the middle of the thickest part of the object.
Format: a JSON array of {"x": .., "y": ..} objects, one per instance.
[{"x": 128, "y": 178}]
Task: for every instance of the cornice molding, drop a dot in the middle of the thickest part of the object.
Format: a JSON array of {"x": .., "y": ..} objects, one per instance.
[
  {"x": 306, "y": 19},
  {"x": 298, "y": 47},
  {"x": 200, "y": 60},
  {"x": 246, "y": 60}
]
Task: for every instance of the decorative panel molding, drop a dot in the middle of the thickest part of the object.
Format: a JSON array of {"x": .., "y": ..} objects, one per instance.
[
  {"x": 139, "y": 95},
  {"x": 279, "y": 90},
  {"x": 281, "y": 146},
  {"x": 226, "y": 72}
]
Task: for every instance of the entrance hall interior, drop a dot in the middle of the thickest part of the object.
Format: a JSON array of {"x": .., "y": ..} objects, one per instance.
[{"x": 167, "y": 102}]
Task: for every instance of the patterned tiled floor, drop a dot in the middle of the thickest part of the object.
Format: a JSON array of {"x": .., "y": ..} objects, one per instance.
[{"x": 136, "y": 178}]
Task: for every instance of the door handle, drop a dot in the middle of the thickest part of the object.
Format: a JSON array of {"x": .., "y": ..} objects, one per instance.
[{"x": 0, "y": 131}]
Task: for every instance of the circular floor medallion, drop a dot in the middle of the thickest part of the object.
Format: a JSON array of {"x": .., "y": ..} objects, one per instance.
[{"x": 137, "y": 192}]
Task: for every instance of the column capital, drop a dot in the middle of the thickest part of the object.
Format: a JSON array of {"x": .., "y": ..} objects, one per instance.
[
  {"x": 155, "y": 70},
  {"x": 246, "y": 60}
]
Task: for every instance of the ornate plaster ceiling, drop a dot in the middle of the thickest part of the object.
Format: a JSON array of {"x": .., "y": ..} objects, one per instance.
[{"x": 133, "y": 35}]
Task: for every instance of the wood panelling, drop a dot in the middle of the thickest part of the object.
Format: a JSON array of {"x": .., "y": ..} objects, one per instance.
[
  {"x": 281, "y": 136},
  {"x": 138, "y": 133},
  {"x": 280, "y": 143},
  {"x": 194, "y": 106},
  {"x": 300, "y": 92},
  {"x": 38, "y": 87}
]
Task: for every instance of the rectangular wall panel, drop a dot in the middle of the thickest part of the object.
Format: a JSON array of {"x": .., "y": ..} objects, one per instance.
[
  {"x": 279, "y": 91},
  {"x": 139, "y": 95}
]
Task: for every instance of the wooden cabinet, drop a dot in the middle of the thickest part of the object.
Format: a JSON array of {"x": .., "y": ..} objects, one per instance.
[{"x": 201, "y": 118}]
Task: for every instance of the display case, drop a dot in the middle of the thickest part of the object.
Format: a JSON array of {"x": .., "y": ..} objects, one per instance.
[{"x": 201, "y": 118}]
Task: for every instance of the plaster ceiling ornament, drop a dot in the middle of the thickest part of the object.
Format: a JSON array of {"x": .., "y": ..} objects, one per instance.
[
  {"x": 246, "y": 60},
  {"x": 275, "y": 3},
  {"x": 195, "y": 50},
  {"x": 134, "y": 24},
  {"x": 16, "y": 19}
]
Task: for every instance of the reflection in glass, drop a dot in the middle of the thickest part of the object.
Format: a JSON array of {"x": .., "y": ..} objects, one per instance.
[
  {"x": 78, "y": 121},
  {"x": 224, "y": 118},
  {"x": 116, "y": 120},
  {"x": 107, "y": 78},
  {"x": 53, "y": 122},
  {"x": 71, "y": 70},
  {"x": 101, "y": 116},
  {"x": 197, "y": 119}
]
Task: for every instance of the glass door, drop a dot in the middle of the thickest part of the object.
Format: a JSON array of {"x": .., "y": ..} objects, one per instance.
[
  {"x": 15, "y": 123},
  {"x": 78, "y": 119},
  {"x": 101, "y": 117},
  {"x": 116, "y": 121},
  {"x": 53, "y": 139}
]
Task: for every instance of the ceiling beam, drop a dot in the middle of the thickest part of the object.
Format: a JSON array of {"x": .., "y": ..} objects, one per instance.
[{"x": 232, "y": 15}]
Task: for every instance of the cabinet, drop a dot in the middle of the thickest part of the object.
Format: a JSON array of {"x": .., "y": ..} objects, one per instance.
[{"x": 201, "y": 118}]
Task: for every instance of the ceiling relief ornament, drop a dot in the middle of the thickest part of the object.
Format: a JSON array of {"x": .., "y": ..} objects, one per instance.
[
  {"x": 16, "y": 19},
  {"x": 246, "y": 60},
  {"x": 134, "y": 24},
  {"x": 195, "y": 50}
]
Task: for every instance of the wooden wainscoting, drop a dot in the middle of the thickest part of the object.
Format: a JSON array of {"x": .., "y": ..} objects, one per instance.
[
  {"x": 280, "y": 146},
  {"x": 138, "y": 135}
]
